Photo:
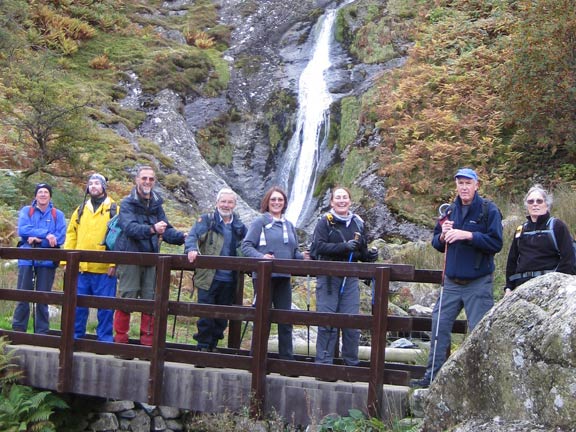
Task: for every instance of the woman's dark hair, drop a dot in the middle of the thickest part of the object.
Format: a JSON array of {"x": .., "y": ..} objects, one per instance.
[{"x": 266, "y": 200}]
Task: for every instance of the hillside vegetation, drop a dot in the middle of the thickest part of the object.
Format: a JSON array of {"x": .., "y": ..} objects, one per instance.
[
  {"x": 61, "y": 63},
  {"x": 489, "y": 84}
]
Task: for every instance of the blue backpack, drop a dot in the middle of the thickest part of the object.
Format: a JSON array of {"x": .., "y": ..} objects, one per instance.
[{"x": 113, "y": 230}]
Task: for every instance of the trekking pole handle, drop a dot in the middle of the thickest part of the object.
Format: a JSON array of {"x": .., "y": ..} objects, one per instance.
[{"x": 443, "y": 210}]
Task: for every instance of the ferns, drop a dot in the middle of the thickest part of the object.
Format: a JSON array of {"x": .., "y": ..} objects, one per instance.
[
  {"x": 23, "y": 408},
  {"x": 9, "y": 372}
]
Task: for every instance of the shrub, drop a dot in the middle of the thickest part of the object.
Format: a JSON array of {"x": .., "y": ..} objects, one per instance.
[{"x": 21, "y": 407}]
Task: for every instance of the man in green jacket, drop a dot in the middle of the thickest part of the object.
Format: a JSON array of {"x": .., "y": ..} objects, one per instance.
[{"x": 218, "y": 233}]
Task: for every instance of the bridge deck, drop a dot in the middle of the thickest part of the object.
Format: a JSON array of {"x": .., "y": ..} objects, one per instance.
[{"x": 298, "y": 400}]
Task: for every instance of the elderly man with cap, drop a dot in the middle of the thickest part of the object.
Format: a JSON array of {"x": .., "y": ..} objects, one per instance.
[
  {"x": 86, "y": 231},
  {"x": 469, "y": 236},
  {"x": 39, "y": 225}
]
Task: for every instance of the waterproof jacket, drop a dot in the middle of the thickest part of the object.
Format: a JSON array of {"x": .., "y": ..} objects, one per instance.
[
  {"x": 471, "y": 259},
  {"x": 331, "y": 234},
  {"x": 266, "y": 234},
  {"x": 89, "y": 233},
  {"x": 40, "y": 224},
  {"x": 537, "y": 252},
  {"x": 207, "y": 237},
  {"x": 135, "y": 218}
]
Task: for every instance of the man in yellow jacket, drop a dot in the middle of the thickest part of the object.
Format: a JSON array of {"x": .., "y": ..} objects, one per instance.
[{"x": 86, "y": 231}]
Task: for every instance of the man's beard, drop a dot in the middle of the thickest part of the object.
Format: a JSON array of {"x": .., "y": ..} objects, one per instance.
[
  {"x": 145, "y": 190},
  {"x": 225, "y": 213}
]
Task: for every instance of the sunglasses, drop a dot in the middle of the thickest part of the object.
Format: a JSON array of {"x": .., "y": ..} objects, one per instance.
[{"x": 537, "y": 201}]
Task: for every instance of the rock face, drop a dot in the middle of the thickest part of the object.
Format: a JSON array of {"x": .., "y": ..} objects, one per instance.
[
  {"x": 271, "y": 43},
  {"x": 517, "y": 370}
]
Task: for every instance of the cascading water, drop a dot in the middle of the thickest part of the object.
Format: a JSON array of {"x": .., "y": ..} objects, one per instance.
[{"x": 314, "y": 100}]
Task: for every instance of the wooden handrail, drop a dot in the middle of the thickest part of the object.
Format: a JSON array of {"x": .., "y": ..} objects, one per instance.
[{"x": 258, "y": 361}]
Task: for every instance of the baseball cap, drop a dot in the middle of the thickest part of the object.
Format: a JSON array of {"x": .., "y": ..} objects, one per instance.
[{"x": 468, "y": 173}]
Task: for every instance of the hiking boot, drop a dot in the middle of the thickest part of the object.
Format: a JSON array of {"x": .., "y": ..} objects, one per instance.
[
  {"x": 422, "y": 383},
  {"x": 326, "y": 379},
  {"x": 124, "y": 357}
]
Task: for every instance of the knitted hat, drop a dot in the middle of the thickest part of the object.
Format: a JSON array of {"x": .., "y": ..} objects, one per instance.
[
  {"x": 100, "y": 178},
  {"x": 43, "y": 186}
]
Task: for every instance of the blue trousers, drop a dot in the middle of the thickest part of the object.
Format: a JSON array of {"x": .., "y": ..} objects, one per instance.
[
  {"x": 95, "y": 284},
  {"x": 476, "y": 298},
  {"x": 329, "y": 299},
  {"x": 32, "y": 278},
  {"x": 211, "y": 330}
]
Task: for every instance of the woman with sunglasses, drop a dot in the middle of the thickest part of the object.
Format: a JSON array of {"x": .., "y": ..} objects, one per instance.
[
  {"x": 541, "y": 245},
  {"x": 272, "y": 236}
]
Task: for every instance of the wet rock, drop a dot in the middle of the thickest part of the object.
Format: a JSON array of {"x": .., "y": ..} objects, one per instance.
[{"x": 104, "y": 422}]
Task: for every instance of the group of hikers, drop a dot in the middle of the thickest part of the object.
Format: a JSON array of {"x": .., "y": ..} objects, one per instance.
[{"x": 469, "y": 234}]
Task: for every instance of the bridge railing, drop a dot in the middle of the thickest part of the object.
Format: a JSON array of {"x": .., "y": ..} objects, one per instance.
[{"x": 257, "y": 360}]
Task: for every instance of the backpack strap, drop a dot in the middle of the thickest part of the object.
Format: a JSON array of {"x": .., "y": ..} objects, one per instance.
[
  {"x": 80, "y": 210},
  {"x": 113, "y": 210},
  {"x": 483, "y": 218},
  {"x": 52, "y": 212},
  {"x": 549, "y": 231}
]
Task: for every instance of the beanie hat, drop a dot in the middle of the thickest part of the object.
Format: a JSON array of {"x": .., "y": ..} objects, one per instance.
[
  {"x": 43, "y": 186},
  {"x": 100, "y": 178}
]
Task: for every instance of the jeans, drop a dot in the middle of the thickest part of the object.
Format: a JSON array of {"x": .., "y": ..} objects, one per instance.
[
  {"x": 32, "y": 278},
  {"x": 476, "y": 298}
]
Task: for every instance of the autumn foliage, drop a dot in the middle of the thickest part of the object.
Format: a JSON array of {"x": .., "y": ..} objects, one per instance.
[{"x": 488, "y": 84}]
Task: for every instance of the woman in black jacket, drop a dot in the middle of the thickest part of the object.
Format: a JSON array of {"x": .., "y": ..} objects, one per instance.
[
  {"x": 541, "y": 245},
  {"x": 339, "y": 236}
]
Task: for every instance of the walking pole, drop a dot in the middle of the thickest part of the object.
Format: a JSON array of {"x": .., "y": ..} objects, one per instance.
[
  {"x": 34, "y": 288},
  {"x": 308, "y": 309},
  {"x": 246, "y": 322},
  {"x": 356, "y": 237},
  {"x": 178, "y": 300},
  {"x": 444, "y": 214}
]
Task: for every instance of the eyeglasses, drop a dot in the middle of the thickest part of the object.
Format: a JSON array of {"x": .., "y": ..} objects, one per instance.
[
  {"x": 537, "y": 201},
  {"x": 277, "y": 199},
  {"x": 150, "y": 179}
]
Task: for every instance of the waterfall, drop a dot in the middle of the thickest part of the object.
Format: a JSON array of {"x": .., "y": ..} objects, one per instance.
[{"x": 312, "y": 127}]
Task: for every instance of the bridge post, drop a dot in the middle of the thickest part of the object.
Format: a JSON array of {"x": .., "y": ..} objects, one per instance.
[
  {"x": 66, "y": 357},
  {"x": 260, "y": 336},
  {"x": 377, "y": 353},
  {"x": 161, "y": 298},
  {"x": 235, "y": 327}
]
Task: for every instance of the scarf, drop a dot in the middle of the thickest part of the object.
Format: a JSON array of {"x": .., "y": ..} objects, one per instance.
[
  {"x": 269, "y": 225},
  {"x": 344, "y": 219}
]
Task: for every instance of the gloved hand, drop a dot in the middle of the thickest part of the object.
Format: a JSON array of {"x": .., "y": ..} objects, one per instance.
[
  {"x": 372, "y": 254},
  {"x": 353, "y": 245}
]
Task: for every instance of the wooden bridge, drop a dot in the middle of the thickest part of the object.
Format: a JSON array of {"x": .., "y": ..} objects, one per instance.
[{"x": 171, "y": 374}]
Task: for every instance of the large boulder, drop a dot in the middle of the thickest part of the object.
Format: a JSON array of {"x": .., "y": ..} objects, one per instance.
[{"x": 517, "y": 369}]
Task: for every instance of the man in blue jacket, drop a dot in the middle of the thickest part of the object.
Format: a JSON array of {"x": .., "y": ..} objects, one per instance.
[
  {"x": 40, "y": 225},
  {"x": 143, "y": 221},
  {"x": 470, "y": 236}
]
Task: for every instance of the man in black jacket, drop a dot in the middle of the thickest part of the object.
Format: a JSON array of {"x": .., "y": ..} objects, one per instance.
[{"x": 143, "y": 221}]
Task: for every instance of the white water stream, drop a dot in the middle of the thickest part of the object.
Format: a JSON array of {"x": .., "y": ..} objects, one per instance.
[{"x": 312, "y": 127}]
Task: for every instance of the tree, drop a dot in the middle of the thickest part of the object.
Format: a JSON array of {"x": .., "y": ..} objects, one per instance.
[{"x": 50, "y": 118}]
